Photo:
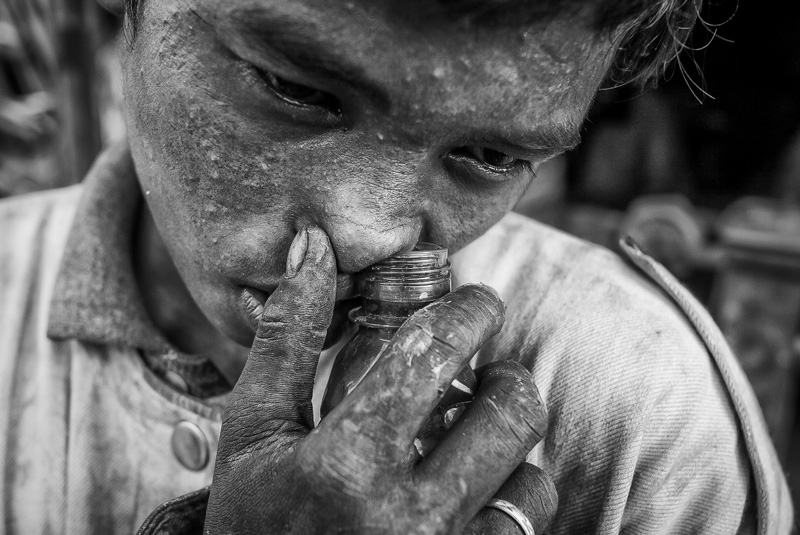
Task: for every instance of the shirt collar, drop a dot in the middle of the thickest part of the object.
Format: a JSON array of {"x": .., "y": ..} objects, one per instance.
[{"x": 96, "y": 296}]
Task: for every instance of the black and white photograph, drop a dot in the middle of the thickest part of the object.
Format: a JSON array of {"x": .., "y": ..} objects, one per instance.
[{"x": 394, "y": 267}]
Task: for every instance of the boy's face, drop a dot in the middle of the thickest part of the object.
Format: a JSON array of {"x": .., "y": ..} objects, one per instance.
[{"x": 382, "y": 122}]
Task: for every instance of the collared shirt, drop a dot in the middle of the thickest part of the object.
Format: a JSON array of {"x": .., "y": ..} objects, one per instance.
[{"x": 653, "y": 427}]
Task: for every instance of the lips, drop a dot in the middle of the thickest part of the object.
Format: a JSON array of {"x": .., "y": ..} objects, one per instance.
[{"x": 253, "y": 299}]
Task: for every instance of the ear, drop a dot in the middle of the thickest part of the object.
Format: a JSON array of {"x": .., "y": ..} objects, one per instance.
[{"x": 117, "y": 7}]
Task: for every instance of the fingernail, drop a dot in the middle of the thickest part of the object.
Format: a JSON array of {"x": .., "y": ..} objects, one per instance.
[{"x": 297, "y": 253}]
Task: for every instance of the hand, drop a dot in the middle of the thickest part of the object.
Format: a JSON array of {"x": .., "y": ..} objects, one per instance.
[{"x": 356, "y": 472}]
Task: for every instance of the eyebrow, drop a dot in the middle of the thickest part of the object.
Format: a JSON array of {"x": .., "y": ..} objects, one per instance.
[
  {"x": 540, "y": 140},
  {"x": 561, "y": 135},
  {"x": 293, "y": 40}
]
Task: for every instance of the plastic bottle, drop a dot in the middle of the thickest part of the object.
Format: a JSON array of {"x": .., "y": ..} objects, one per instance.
[{"x": 391, "y": 291}]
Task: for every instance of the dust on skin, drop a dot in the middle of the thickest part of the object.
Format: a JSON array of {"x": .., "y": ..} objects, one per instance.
[{"x": 234, "y": 171}]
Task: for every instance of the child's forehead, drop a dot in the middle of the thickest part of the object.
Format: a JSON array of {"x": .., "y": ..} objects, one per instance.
[
  {"x": 363, "y": 37},
  {"x": 494, "y": 22},
  {"x": 430, "y": 76},
  {"x": 646, "y": 35}
]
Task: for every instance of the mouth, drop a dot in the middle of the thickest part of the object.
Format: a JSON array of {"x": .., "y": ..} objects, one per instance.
[{"x": 253, "y": 299}]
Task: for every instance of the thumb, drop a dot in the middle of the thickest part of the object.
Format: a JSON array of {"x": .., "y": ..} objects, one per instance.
[{"x": 278, "y": 378}]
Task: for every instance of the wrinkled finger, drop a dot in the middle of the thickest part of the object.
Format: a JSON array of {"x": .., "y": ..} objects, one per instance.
[
  {"x": 503, "y": 423},
  {"x": 532, "y": 491},
  {"x": 397, "y": 395},
  {"x": 277, "y": 381}
]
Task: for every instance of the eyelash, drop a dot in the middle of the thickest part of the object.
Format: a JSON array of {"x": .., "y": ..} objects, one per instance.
[
  {"x": 316, "y": 99},
  {"x": 477, "y": 156}
]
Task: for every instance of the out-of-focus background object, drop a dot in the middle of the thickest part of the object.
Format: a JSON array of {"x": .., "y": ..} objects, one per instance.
[
  {"x": 709, "y": 186},
  {"x": 710, "y": 189},
  {"x": 59, "y": 102}
]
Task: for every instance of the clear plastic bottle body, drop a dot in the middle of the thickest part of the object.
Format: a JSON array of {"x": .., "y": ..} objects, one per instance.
[{"x": 391, "y": 292}]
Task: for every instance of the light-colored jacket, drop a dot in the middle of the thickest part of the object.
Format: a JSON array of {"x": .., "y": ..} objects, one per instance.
[{"x": 653, "y": 427}]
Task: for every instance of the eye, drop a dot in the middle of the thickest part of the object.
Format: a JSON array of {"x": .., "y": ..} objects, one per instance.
[
  {"x": 299, "y": 94},
  {"x": 495, "y": 160}
]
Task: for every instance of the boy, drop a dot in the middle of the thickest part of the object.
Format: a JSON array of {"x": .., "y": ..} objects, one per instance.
[{"x": 281, "y": 147}]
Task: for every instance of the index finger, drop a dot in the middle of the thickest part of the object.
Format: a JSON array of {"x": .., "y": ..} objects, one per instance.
[
  {"x": 397, "y": 395},
  {"x": 276, "y": 384}
]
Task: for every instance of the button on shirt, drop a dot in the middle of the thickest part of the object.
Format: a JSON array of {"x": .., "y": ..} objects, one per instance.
[
  {"x": 88, "y": 427},
  {"x": 653, "y": 428}
]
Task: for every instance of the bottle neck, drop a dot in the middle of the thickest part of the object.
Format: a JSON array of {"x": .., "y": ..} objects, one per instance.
[{"x": 392, "y": 290}]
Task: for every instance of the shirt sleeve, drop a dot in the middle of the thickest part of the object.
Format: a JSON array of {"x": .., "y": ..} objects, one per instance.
[
  {"x": 642, "y": 436},
  {"x": 650, "y": 427}
]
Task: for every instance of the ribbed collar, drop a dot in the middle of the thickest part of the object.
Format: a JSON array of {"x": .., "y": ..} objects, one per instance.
[{"x": 96, "y": 296}]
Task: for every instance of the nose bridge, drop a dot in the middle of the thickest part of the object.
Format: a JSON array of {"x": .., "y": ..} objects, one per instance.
[{"x": 369, "y": 212}]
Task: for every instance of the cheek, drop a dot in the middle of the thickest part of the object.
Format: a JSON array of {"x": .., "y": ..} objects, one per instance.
[
  {"x": 209, "y": 174},
  {"x": 229, "y": 182},
  {"x": 464, "y": 213}
]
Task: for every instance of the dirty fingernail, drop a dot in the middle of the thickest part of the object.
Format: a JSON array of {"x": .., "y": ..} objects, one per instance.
[{"x": 297, "y": 253}]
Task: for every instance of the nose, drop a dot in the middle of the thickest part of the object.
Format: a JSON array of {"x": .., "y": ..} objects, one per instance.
[
  {"x": 366, "y": 220},
  {"x": 359, "y": 244}
]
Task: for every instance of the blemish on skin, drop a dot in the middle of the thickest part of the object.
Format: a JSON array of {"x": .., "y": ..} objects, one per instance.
[
  {"x": 508, "y": 73},
  {"x": 147, "y": 192},
  {"x": 380, "y": 136},
  {"x": 462, "y": 485},
  {"x": 438, "y": 72}
]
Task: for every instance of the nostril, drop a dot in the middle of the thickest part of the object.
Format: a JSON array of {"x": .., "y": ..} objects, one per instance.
[{"x": 356, "y": 248}]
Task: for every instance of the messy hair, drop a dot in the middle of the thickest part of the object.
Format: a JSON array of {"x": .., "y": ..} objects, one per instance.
[{"x": 649, "y": 34}]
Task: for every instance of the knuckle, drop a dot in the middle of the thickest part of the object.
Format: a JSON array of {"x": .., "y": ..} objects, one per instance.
[
  {"x": 270, "y": 330},
  {"x": 540, "y": 500},
  {"x": 444, "y": 334},
  {"x": 415, "y": 337},
  {"x": 513, "y": 430},
  {"x": 516, "y": 382},
  {"x": 246, "y": 424},
  {"x": 310, "y": 455},
  {"x": 475, "y": 305},
  {"x": 531, "y": 411},
  {"x": 484, "y": 297},
  {"x": 481, "y": 292},
  {"x": 430, "y": 353},
  {"x": 543, "y": 490},
  {"x": 505, "y": 368},
  {"x": 343, "y": 472},
  {"x": 518, "y": 412}
]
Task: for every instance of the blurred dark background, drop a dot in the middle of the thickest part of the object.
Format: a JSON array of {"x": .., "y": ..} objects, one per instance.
[{"x": 704, "y": 171}]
